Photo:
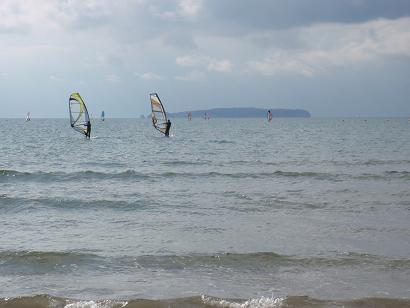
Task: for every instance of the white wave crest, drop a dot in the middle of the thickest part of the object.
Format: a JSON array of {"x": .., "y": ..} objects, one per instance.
[
  {"x": 93, "y": 304},
  {"x": 262, "y": 302}
]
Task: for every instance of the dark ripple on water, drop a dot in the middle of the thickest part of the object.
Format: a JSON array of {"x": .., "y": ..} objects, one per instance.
[
  {"x": 86, "y": 175},
  {"x": 43, "y": 262},
  {"x": 16, "y": 204},
  {"x": 37, "y": 262},
  {"x": 8, "y": 175}
]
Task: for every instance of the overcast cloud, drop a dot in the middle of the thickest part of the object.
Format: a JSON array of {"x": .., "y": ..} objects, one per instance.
[{"x": 331, "y": 57}]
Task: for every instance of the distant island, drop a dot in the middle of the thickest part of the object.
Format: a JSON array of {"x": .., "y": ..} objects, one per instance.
[{"x": 243, "y": 113}]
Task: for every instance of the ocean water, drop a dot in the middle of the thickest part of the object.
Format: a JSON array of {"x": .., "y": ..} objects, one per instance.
[{"x": 224, "y": 213}]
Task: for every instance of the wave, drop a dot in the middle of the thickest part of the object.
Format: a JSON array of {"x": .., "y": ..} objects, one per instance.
[
  {"x": 37, "y": 262},
  {"x": 399, "y": 174},
  {"x": 12, "y": 173},
  {"x": 203, "y": 301},
  {"x": 386, "y": 175},
  {"x": 87, "y": 175},
  {"x": 222, "y": 141},
  {"x": 44, "y": 256},
  {"x": 385, "y": 162},
  {"x": 43, "y": 262},
  {"x": 17, "y": 204},
  {"x": 111, "y": 164},
  {"x": 70, "y": 176},
  {"x": 369, "y": 162},
  {"x": 267, "y": 260},
  {"x": 135, "y": 175},
  {"x": 254, "y": 175},
  {"x": 174, "y": 163}
]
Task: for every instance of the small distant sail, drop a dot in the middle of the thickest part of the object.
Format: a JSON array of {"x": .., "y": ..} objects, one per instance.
[
  {"x": 28, "y": 118},
  {"x": 159, "y": 116},
  {"x": 103, "y": 115},
  {"x": 78, "y": 113}
]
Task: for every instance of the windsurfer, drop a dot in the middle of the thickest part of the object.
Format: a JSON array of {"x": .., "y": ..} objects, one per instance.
[
  {"x": 167, "y": 128},
  {"x": 88, "y": 133},
  {"x": 269, "y": 115}
]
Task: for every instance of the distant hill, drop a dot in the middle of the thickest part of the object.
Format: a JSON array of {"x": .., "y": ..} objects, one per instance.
[{"x": 244, "y": 113}]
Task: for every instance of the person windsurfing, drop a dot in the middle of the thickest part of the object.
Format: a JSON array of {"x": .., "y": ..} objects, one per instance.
[
  {"x": 167, "y": 128},
  {"x": 269, "y": 115},
  {"x": 88, "y": 132}
]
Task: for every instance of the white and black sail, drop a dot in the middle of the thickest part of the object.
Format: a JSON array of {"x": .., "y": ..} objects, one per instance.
[
  {"x": 78, "y": 113},
  {"x": 159, "y": 116}
]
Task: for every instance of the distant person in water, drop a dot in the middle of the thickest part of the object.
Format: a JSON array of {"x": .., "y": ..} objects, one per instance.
[
  {"x": 190, "y": 116},
  {"x": 167, "y": 128},
  {"x": 88, "y": 132},
  {"x": 269, "y": 116}
]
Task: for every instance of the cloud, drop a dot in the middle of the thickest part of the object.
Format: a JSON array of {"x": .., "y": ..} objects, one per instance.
[
  {"x": 149, "y": 76},
  {"x": 192, "y": 76},
  {"x": 41, "y": 16},
  {"x": 222, "y": 66},
  {"x": 328, "y": 46},
  {"x": 190, "y": 8},
  {"x": 54, "y": 78},
  {"x": 279, "y": 63},
  {"x": 186, "y": 9},
  {"x": 205, "y": 62},
  {"x": 12, "y": 17},
  {"x": 188, "y": 61},
  {"x": 113, "y": 78},
  {"x": 242, "y": 18}
]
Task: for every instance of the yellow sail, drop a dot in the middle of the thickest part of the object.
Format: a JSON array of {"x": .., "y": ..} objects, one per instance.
[{"x": 78, "y": 113}]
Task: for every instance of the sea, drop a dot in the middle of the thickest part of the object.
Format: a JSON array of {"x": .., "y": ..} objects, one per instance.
[{"x": 224, "y": 213}]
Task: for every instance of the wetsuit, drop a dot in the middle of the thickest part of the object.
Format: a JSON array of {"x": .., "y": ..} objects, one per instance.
[
  {"x": 88, "y": 133},
  {"x": 168, "y": 128}
]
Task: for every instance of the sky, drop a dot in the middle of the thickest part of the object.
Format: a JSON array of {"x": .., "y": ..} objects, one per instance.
[{"x": 334, "y": 58}]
